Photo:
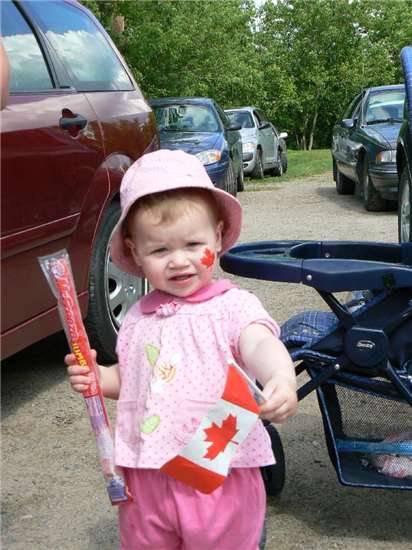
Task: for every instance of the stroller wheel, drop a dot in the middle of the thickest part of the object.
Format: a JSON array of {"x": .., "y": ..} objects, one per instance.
[{"x": 274, "y": 475}]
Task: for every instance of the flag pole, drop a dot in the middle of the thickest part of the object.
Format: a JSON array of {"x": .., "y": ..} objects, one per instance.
[{"x": 254, "y": 387}]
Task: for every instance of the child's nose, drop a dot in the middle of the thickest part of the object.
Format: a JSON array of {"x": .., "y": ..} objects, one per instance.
[{"x": 178, "y": 259}]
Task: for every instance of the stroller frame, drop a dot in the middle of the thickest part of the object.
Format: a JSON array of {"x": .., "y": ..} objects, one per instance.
[{"x": 366, "y": 356}]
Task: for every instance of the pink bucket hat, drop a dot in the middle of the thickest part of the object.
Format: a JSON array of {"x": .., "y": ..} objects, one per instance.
[{"x": 165, "y": 170}]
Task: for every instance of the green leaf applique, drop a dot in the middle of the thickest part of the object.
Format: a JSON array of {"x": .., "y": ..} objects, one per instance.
[
  {"x": 152, "y": 353},
  {"x": 150, "y": 424}
]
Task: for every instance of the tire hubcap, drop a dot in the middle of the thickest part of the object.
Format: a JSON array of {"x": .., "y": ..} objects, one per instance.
[{"x": 122, "y": 291}]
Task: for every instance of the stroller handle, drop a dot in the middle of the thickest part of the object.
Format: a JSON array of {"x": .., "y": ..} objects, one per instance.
[{"x": 329, "y": 266}]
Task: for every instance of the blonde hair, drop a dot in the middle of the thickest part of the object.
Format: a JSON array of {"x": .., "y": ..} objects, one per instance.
[{"x": 167, "y": 206}]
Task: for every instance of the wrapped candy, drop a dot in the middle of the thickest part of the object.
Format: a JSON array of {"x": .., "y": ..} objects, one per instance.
[{"x": 57, "y": 270}]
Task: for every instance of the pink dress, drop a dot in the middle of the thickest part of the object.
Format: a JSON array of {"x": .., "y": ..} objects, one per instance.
[{"x": 173, "y": 356}]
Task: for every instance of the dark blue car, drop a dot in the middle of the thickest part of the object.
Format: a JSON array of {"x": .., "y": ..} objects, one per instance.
[
  {"x": 404, "y": 155},
  {"x": 200, "y": 127},
  {"x": 364, "y": 146}
]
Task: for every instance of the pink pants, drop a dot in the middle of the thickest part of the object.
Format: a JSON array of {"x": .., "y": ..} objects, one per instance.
[{"x": 168, "y": 515}]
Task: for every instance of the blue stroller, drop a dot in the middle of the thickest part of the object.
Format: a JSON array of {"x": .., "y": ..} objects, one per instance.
[{"x": 358, "y": 355}]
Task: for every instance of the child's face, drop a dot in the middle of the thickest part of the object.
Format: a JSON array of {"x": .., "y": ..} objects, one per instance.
[{"x": 179, "y": 256}]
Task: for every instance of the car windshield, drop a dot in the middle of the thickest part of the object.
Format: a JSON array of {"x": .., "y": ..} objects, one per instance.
[
  {"x": 243, "y": 118},
  {"x": 185, "y": 118},
  {"x": 385, "y": 107}
]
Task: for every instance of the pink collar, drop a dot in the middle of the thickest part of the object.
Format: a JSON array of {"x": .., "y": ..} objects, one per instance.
[{"x": 157, "y": 298}]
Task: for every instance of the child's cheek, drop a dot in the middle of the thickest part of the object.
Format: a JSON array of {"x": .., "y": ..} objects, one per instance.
[{"x": 208, "y": 258}]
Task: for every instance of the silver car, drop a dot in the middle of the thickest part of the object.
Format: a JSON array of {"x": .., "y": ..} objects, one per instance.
[{"x": 264, "y": 149}]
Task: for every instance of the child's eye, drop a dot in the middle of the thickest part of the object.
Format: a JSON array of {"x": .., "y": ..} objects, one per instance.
[
  {"x": 194, "y": 243},
  {"x": 159, "y": 250}
]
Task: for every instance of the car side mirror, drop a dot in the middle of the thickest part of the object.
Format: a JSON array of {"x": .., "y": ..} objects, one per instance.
[
  {"x": 233, "y": 126},
  {"x": 264, "y": 126},
  {"x": 348, "y": 123},
  {"x": 283, "y": 135}
]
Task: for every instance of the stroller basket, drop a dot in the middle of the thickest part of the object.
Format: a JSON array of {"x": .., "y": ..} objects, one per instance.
[
  {"x": 364, "y": 431},
  {"x": 358, "y": 357}
]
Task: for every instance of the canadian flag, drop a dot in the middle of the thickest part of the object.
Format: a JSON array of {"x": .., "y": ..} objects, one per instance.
[{"x": 204, "y": 462}]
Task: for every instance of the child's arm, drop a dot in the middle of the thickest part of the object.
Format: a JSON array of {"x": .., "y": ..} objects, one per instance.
[
  {"x": 269, "y": 361},
  {"x": 109, "y": 378}
]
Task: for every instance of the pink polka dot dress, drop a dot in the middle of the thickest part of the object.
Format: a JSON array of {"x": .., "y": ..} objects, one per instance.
[{"x": 173, "y": 355}]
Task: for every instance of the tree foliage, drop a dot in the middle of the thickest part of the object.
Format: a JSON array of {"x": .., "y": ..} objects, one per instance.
[{"x": 300, "y": 60}]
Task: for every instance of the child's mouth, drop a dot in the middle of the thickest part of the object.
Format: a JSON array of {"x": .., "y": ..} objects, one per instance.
[{"x": 181, "y": 278}]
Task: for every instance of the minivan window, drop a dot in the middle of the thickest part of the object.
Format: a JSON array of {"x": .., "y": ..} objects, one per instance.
[
  {"x": 28, "y": 69},
  {"x": 89, "y": 59}
]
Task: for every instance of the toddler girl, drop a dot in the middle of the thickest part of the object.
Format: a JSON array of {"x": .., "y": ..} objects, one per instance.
[{"x": 173, "y": 350}]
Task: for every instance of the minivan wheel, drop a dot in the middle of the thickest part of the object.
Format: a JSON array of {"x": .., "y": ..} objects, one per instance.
[
  {"x": 111, "y": 291},
  {"x": 404, "y": 207},
  {"x": 372, "y": 201},
  {"x": 258, "y": 172}
]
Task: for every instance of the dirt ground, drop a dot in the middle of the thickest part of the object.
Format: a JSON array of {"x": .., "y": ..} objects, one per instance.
[{"x": 52, "y": 491}]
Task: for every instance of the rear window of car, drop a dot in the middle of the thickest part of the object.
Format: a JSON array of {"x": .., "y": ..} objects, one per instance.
[
  {"x": 385, "y": 106},
  {"x": 243, "y": 118},
  {"x": 28, "y": 68},
  {"x": 90, "y": 61},
  {"x": 185, "y": 118}
]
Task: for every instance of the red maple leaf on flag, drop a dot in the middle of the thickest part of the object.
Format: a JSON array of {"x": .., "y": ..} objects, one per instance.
[
  {"x": 220, "y": 436},
  {"x": 208, "y": 258}
]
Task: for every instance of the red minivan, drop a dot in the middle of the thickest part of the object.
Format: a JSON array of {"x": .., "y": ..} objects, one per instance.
[{"x": 74, "y": 122}]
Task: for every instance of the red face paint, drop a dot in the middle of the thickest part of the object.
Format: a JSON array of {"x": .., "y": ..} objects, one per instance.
[{"x": 208, "y": 258}]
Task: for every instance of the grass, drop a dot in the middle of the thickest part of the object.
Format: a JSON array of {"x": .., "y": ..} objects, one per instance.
[{"x": 301, "y": 164}]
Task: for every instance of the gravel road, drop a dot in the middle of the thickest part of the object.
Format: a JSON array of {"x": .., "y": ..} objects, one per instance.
[{"x": 52, "y": 492}]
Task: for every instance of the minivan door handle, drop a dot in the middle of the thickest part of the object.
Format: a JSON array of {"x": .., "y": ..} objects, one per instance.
[{"x": 68, "y": 122}]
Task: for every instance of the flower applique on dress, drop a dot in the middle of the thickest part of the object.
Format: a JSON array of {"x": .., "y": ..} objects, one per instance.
[{"x": 164, "y": 372}]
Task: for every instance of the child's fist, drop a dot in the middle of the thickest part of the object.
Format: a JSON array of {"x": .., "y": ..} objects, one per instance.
[
  {"x": 281, "y": 400},
  {"x": 78, "y": 376}
]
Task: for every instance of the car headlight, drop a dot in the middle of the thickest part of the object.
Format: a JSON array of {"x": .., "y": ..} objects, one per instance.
[
  {"x": 386, "y": 156},
  {"x": 249, "y": 146},
  {"x": 210, "y": 156}
]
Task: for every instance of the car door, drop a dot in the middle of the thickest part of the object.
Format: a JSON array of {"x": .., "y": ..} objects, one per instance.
[
  {"x": 266, "y": 139},
  {"x": 343, "y": 144},
  {"x": 51, "y": 148}
]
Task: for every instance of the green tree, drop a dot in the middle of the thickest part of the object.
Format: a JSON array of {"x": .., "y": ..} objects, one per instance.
[
  {"x": 200, "y": 47},
  {"x": 329, "y": 50}
]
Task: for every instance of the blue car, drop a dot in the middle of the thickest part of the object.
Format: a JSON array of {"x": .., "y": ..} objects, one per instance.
[
  {"x": 364, "y": 146},
  {"x": 198, "y": 126},
  {"x": 404, "y": 155}
]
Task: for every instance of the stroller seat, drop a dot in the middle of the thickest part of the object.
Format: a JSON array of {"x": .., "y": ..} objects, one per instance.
[{"x": 358, "y": 355}]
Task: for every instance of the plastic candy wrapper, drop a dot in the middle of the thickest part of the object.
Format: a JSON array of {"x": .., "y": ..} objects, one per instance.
[
  {"x": 396, "y": 464},
  {"x": 57, "y": 270}
]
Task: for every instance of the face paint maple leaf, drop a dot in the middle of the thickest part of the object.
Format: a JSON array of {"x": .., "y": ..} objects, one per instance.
[
  {"x": 220, "y": 437},
  {"x": 208, "y": 258}
]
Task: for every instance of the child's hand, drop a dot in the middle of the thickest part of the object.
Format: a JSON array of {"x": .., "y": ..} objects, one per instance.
[
  {"x": 282, "y": 400},
  {"x": 78, "y": 375}
]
